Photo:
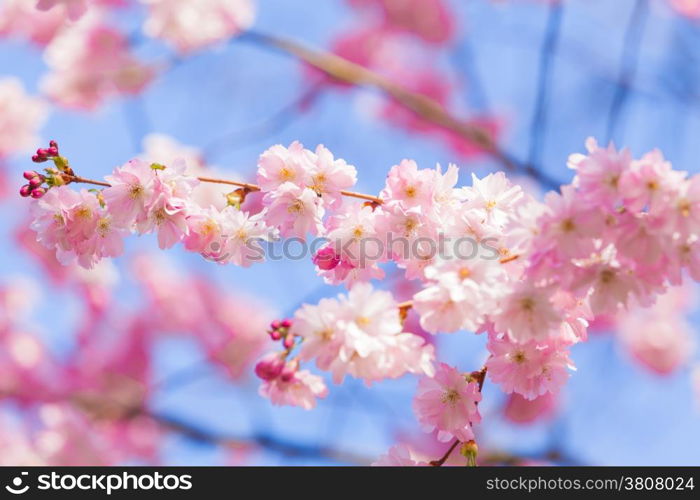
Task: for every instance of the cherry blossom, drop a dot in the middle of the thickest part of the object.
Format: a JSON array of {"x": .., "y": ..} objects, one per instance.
[
  {"x": 21, "y": 117},
  {"x": 190, "y": 25},
  {"x": 448, "y": 402}
]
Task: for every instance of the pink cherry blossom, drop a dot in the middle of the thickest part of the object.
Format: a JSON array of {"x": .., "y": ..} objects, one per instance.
[
  {"x": 190, "y": 25},
  {"x": 296, "y": 211},
  {"x": 398, "y": 456},
  {"x": 527, "y": 313},
  {"x": 330, "y": 176},
  {"x": 21, "y": 19},
  {"x": 21, "y": 117},
  {"x": 74, "y": 8},
  {"x": 279, "y": 165},
  {"x": 448, "y": 402},
  {"x": 431, "y": 20},
  {"x": 531, "y": 369},
  {"x": 688, "y": 8},
  {"x": 301, "y": 389},
  {"x": 494, "y": 195},
  {"x": 360, "y": 334},
  {"x": 598, "y": 174},
  {"x": 132, "y": 192},
  {"x": 524, "y": 411},
  {"x": 91, "y": 62}
]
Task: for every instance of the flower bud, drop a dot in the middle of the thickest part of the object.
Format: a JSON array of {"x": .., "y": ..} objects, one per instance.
[
  {"x": 52, "y": 151},
  {"x": 38, "y": 193},
  {"x": 29, "y": 174},
  {"x": 286, "y": 323},
  {"x": 469, "y": 450},
  {"x": 288, "y": 342},
  {"x": 25, "y": 191},
  {"x": 290, "y": 369},
  {"x": 270, "y": 367},
  {"x": 326, "y": 259},
  {"x": 35, "y": 182},
  {"x": 275, "y": 335},
  {"x": 53, "y": 144}
]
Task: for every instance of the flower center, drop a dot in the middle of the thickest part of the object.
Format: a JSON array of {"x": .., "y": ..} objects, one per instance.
[
  {"x": 136, "y": 191},
  {"x": 450, "y": 397}
]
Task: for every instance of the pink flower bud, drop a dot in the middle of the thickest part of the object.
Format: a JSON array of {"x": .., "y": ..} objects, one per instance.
[
  {"x": 35, "y": 182},
  {"x": 38, "y": 193},
  {"x": 275, "y": 325},
  {"x": 275, "y": 335},
  {"x": 270, "y": 367},
  {"x": 290, "y": 369},
  {"x": 288, "y": 342},
  {"x": 286, "y": 323},
  {"x": 29, "y": 174},
  {"x": 52, "y": 151},
  {"x": 326, "y": 259},
  {"x": 53, "y": 144},
  {"x": 41, "y": 152},
  {"x": 25, "y": 191}
]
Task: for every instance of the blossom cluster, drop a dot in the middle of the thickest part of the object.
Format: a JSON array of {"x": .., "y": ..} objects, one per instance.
[{"x": 488, "y": 256}]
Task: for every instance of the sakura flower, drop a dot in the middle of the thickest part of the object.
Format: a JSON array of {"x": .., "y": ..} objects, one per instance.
[
  {"x": 687, "y": 8},
  {"x": 360, "y": 334},
  {"x": 301, "y": 389},
  {"x": 21, "y": 19},
  {"x": 529, "y": 369},
  {"x": 278, "y": 165},
  {"x": 409, "y": 186},
  {"x": 429, "y": 19},
  {"x": 243, "y": 235},
  {"x": 527, "y": 314},
  {"x": 330, "y": 176},
  {"x": 398, "y": 456},
  {"x": 74, "y": 8},
  {"x": 132, "y": 192},
  {"x": 649, "y": 183},
  {"x": 294, "y": 210},
  {"x": 91, "y": 62},
  {"x": 598, "y": 174},
  {"x": 448, "y": 402},
  {"x": 494, "y": 195},
  {"x": 21, "y": 116},
  {"x": 190, "y": 25},
  {"x": 524, "y": 411}
]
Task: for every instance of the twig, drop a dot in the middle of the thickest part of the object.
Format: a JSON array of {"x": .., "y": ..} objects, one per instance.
[
  {"x": 549, "y": 47},
  {"x": 634, "y": 34}
]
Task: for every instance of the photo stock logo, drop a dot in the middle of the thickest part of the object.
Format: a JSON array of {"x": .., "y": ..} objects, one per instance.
[{"x": 18, "y": 487}]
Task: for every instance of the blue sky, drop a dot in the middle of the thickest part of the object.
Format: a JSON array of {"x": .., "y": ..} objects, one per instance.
[{"x": 615, "y": 412}]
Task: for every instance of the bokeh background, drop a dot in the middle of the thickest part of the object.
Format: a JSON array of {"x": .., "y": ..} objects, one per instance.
[{"x": 548, "y": 75}]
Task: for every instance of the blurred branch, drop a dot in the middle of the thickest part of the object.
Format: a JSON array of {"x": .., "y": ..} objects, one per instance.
[
  {"x": 628, "y": 64},
  {"x": 260, "y": 440},
  {"x": 345, "y": 71},
  {"x": 549, "y": 47},
  {"x": 270, "y": 126}
]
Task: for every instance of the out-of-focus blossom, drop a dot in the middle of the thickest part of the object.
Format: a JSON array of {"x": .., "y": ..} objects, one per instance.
[
  {"x": 301, "y": 388},
  {"x": 448, "y": 402},
  {"x": 430, "y": 20},
  {"x": 521, "y": 410},
  {"x": 398, "y": 456},
  {"x": 687, "y": 8},
  {"x": 190, "y": 25},
  {"x": 91, "y": 62},
  {"x": 21, "y": 19},
  {"x": 21, "y": 117},
  {"x": 74, "y": 9}
]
